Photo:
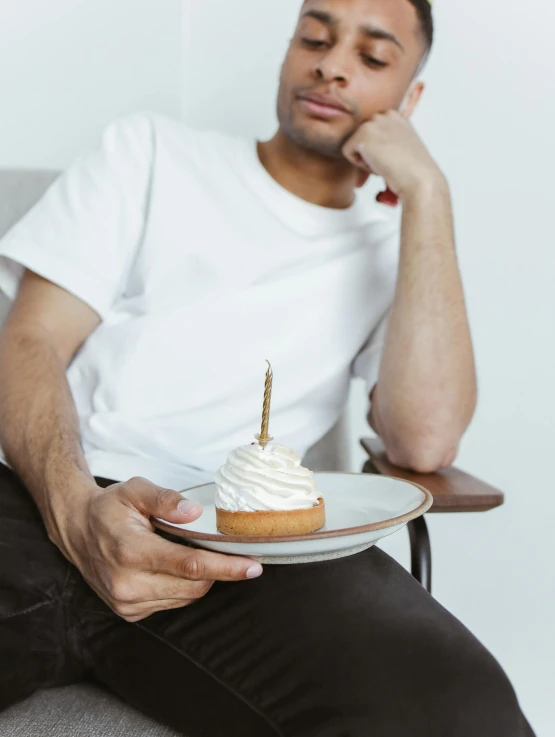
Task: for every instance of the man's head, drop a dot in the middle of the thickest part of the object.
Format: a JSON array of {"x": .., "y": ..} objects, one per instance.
[{"x": 361, "y": 56}]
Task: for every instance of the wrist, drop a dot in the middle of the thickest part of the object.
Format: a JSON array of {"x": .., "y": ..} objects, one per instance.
[
  {"x": 427, "y": 185},
  {"x": 66, "y": 513}
]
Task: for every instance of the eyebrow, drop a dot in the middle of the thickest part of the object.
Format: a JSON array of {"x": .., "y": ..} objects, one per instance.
[{"x": 368, "y": 30}]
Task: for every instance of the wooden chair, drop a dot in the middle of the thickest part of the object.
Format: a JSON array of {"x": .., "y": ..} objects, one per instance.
[{"x": 453, "y": 491}]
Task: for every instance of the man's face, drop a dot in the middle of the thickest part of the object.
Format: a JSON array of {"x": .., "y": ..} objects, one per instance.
[{"x": 358, "y": 55}]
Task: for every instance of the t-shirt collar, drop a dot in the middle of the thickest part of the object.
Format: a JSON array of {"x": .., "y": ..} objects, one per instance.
[{"x": 298, "y": 214}]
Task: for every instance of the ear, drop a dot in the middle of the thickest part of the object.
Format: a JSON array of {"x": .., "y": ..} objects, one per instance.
[{"x": 411, "y": 100}]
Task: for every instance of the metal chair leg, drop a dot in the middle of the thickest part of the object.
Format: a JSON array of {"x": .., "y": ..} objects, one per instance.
[
  {"x": 420, "y": 552},
  {"x": 420, "y": 548}
]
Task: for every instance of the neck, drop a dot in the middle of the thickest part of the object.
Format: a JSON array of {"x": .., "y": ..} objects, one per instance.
[{"x": 311, "y": 176}]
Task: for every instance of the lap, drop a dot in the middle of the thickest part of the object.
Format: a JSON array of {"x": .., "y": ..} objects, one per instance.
[
  {"x": 348, "y": 647},
  {"x": 353, "y": 646}
]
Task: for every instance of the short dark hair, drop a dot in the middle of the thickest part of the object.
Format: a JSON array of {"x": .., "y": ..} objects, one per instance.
[{"x": 426, "y": 18}]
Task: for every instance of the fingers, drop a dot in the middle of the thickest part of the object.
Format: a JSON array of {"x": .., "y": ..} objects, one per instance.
[
  {"x": 147, "y": 552},
  {"x": 202, "y": 565},
  {"x": 137, "y": 614},
  {"x": 155, "y": 501},
  {"x": 130, "y": 567},
  {"x": 143, "y": 594},
  {"x": 191, "y": 575},
  {"x": 371, "y": 136},
  {"x": 351, "y": 151},
  {"x": 354, "y": 149},
  {"x": 141, "y": 610}
]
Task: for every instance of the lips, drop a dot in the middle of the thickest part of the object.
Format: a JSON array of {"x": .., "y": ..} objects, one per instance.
[{"x": 322, "y": 106}]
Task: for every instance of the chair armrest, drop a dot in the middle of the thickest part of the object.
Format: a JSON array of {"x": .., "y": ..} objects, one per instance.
[{"x": 453, "y": 490}]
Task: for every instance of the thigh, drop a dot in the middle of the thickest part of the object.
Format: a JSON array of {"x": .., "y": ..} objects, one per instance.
[
  {"x": 351, "y": 647},
  {"x": 33, "y": 576}
]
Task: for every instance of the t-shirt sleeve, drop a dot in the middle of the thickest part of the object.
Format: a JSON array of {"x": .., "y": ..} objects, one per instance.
[
  {"x": 367, "y": 363},
  {"x": 84, "y": 232}
]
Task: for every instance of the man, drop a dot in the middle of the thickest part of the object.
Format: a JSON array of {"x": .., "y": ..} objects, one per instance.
[{"x": 160, "y": 271}]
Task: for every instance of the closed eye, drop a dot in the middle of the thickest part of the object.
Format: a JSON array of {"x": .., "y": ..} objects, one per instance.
[
  {"x": 312, "y": 43},
  {"x": 371, "y": 61}
]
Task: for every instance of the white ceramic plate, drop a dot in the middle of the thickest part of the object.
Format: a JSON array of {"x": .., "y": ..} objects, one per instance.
[{"x": 360, "y": 509}]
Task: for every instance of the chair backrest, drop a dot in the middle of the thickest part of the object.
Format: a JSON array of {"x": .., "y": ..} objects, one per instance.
[{"x": 20, "y": 189}]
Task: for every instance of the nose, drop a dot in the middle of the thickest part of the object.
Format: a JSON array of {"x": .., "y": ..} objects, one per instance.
[{"x": 333, "y": 66}]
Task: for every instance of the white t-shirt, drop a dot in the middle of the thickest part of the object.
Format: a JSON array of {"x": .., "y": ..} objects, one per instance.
[{"x": 201, "y": 267}]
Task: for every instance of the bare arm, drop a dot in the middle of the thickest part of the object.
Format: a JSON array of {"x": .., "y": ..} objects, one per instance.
[
  {"x": 107, "y": 534},
  {"x": 426, "y": 391},
  {"x": 39, "y": 429}
]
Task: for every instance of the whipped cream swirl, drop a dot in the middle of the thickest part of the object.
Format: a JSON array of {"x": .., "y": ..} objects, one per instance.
[{"x": 255, "y": 479}]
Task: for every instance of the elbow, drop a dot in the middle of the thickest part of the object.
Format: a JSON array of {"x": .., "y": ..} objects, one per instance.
[{"x": 423, "y": 456}]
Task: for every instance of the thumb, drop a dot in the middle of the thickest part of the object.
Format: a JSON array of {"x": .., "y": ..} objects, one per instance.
[{"x": 155, "y": 501}]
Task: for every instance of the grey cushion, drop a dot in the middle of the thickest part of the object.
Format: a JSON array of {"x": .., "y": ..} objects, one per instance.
[
  {"x": 84, "y": 710},
  {"x": 19, "y": 191}
]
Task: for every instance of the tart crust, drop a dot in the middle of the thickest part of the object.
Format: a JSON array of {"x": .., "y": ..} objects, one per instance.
[{"x": 272, "y": 522}]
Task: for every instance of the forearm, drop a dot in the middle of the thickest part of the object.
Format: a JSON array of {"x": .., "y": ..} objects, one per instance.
[
  {"x": 426, "y": 392},
  {"x": 39, "y": 428}
]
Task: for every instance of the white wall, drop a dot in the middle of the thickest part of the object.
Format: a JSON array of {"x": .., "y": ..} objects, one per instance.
[
  {"x": 68, "y": 67},
  {"x": 223, "y": 88}
]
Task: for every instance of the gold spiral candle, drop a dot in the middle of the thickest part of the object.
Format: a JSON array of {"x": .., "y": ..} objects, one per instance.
[{"x": 263, "y": 437}]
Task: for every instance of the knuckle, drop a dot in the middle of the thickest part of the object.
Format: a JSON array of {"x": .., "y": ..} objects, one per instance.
[
  {"x": 228, "y": 570},
  {"x": 129, "y": 615},
  {"x": 122, "y": 591},
  {"x": 120, "y": 491},
  {"x": 192, "y": 568},
  {"x": 200, "y": 589},
  {"x": 125, "y": 554},
  {"x": 165, "y": 497}
]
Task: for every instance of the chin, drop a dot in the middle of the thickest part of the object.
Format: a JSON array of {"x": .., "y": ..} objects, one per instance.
[
  {"x": 320, "y": 136},
  {"x": 311, "y": 139}
]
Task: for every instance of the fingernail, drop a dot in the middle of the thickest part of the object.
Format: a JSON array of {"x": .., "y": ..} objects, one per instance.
[
  {"x": 187, "y": 506},
  {"x": 254, "y": 571}
]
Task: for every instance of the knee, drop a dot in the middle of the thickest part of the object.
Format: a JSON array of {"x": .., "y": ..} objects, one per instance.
[
  {"x": 414, "y": 688},
  {"x": 471, "y": 695}
]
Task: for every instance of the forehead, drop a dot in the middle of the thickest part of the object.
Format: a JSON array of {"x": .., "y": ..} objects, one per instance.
[{"x": 397, "y": 16}]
